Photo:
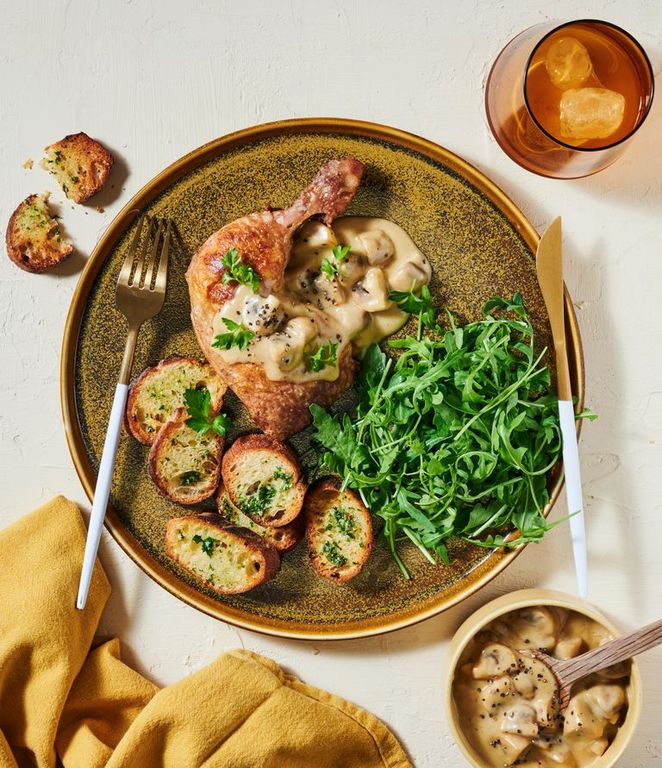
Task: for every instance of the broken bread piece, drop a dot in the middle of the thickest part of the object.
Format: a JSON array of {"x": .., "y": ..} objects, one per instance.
[
  {"x": 226, "y": 558},
  {"x": 159, "y": 391},
  {"x": 338, "y": 530},
  {"x": 283, "y": 539},
  {"x": 263, "y": 478},
  {"x": 80, "y": 164},
  {"x": 185, "y": 465},
  {"x": 34, "y": 240}
]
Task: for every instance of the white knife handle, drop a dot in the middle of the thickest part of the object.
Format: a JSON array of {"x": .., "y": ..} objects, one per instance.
[
  {"x": 573, "y": 489},
  {"x": 102, "y": 491}
]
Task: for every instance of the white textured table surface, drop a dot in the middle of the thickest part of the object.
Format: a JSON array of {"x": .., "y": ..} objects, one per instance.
[{"x": 153, "y": 81}]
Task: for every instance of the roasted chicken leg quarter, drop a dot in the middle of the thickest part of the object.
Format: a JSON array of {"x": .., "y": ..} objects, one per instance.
[{"x": 239, "y": 273}]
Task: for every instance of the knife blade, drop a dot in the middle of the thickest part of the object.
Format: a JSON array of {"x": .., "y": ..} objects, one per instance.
[{"x": 549, "y": 265}]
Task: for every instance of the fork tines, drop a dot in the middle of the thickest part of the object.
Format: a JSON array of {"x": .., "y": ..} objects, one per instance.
[{"x": 146, "y": 262}]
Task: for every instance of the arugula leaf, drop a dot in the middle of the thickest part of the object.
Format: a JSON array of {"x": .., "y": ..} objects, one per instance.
[
  {"x": 236, "y": 271},
  {"x": 325, "y": 355},
  {"x": 456, "y": 436},
  {"x": 238, "y": 336},
  {"x": 333, "y": 268},
  {"x": 198, "y": 405}
]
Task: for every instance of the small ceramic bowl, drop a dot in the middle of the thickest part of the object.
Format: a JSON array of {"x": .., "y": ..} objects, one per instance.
[{"x": 523, "y": 599}]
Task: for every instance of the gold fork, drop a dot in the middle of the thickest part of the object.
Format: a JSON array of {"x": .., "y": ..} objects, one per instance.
[{"x": 140, "y": 293}]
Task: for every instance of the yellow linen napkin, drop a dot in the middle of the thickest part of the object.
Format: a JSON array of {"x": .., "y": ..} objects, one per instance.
[{"x": 58, "y": 695}]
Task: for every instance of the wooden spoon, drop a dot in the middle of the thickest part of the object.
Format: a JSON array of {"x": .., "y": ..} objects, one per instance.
[{"x": 568, "y": 671}]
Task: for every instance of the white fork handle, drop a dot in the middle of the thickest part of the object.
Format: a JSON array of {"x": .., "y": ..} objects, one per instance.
[
  {"x": 573, "y": 489},
  {"x": 102, "y": 491}
]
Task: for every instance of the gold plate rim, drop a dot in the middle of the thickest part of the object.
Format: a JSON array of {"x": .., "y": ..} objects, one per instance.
[{"x": 190, "y": 161}]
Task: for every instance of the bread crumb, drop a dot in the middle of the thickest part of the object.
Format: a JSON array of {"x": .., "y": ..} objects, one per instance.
[
  {"x": 28, "y": 164},
  {"x": 99, "y": 209}
]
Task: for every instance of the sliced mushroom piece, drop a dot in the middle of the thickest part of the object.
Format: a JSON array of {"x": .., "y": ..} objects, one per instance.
[
  {"x": 409, "y": 276},
  {"x": 556, "y": 751},
  {"x": 315, "y": 234},
  {"x": 513, "y": 746},
  {"x": 352, "y": 269},
  {"x": 377, "y": 246},
  {"x": 545, "y": 699},
  {"x": 371, "y": 293},
  {"x": 330, "y": 291},
  {"x": 599, "y": 746},
  {"x": 590, "y": 713},
  {"x": 495, "y": 659},
  {"x": 537, "y": 627},
  {"x": 607, "y": 700},
  {"x": 524, "y": 684},
  {"x": 263, "y": 314},
  {"x": 519, "y": 718},
  {"x": 545, "y": 704},
  {"x": 287, "y": 349},
  {"x": 568, "y": 647},
  {"x": 496, "y": 692}
]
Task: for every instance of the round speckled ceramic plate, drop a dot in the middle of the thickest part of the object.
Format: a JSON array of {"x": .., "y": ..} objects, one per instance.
[{"x": 479, "y": 244}]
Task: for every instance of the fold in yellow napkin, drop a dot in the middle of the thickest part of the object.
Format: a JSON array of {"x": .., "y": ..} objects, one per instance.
[{"x": 59, "y": 696}]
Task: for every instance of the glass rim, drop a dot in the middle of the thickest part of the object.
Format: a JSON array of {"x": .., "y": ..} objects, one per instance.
[{"x": 645, "y": 58}]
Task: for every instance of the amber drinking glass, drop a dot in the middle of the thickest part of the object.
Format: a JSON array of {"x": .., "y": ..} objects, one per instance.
[{"x": 565, "y": 100}]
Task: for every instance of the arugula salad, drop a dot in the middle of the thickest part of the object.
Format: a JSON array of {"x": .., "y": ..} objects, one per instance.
[{"x": 453, "y": 437}]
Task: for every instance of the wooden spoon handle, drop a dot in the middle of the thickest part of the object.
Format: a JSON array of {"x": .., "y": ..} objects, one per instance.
[{"x": 620, "y": 649}]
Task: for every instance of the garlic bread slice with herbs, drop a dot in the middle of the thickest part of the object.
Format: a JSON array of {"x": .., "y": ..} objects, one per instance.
[
  {"x": 338, "y": 530},
  {"x": 184, "y": 464},
  {"x": 81, "y": 165},
  {"x": 284, "y": 538},
  {"x": 263, "y": 478},
  {"x": 160, "y": 390},
  {"x": 34, "y": 240},
  {"x": 227, "y": 558}
]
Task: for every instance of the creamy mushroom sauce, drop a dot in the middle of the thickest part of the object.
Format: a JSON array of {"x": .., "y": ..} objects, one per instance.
[
  {"x": 312, "y": 310},
  {"x": 506, "y": 701}
]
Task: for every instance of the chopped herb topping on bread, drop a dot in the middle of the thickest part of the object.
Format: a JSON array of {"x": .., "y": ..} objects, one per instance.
[
  {"x": 80, "y": 164},
  {"x": 185, "y": 465},
  {"x": 284, "y": 538},
  {"x": 34, "y": 240},
  {"x": 160, "y": 390},
  {"x": 228, "y": 559},
  {"x": 263, "y": 478},
  {"x": 338, "y": 530}
]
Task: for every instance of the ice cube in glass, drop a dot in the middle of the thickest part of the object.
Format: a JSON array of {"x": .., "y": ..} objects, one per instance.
[
  {"x": 568, "y": 63},
  {"x": 591, "y": 113}
]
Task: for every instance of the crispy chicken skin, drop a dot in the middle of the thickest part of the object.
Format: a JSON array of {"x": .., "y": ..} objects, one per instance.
[{"x": 264, "y": 241}]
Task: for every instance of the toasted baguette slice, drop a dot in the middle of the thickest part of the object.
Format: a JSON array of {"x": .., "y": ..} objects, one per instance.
[
  {"x": 34, "y": 240},
  {"x": 338, "y": 530},
  {"x": 185, "y": 465},
  {"x": 227, "y": 558},
  {"x": 263, "y": 478},
  {"x": 283, "y": 539},
  {"x": 159, "y": 391},
  {"x": 80, "y": 164}
]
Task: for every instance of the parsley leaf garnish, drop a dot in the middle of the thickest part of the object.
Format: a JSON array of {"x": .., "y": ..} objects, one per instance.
[
  {"x": 236, "y": 271},
  {"x": 421, "y": 305},
  {"x": 325, "y": 355},
  {"x": 238, "y": 336},
  {"x": 333, "y": 268},
  {"x": 456, "y": 436},
  {"x": 198, "y": 404},
  {"x": 333, "y": 554},
  {"x": 208, "y": 544}
]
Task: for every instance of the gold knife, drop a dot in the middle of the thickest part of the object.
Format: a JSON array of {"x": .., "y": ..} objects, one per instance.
[{"x": 549, "y": 264}]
